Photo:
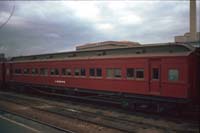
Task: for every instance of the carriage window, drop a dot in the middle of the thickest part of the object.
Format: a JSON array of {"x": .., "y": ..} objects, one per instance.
[
  {"x": 44, "y": 71},
  {"x": 54, "y": 71},
  {"x": 83, "y": 72},
  {"x": 109, "y": 73},
  {"x": 117, "y": 73},
  {"x": 26, "y": 71},
  {"x": 98, "y": 72},
  {"x": 34, "y": 71},
  {"x": 66, "y": 71},
  {"x": 155, "y": 73},
  {"x": 76, "y": 72},
  {"x": 173, "y": 75},
  {"x": 130, "y": 72},
  {"x": 7, "y": 71},
  {"x": 18, "y": 71},
  {"x": 92, "y": 72},
  {"x": 139, "y": 73}
]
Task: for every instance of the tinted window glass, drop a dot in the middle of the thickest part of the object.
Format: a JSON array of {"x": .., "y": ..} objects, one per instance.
[
  {"x": 130, "y": 72},
  {"x": 64, "y": 71},
  {"x": 83, "y": 73},
  {"x": 92, "y": 72},
  {"x": 34, "y": 71},
  {"x": 68, "y": 72},
  {"x": 44, "y": 71},
  {"x": 98, "y": 72},
  {"x": 26, "y": 71},
  {"x": 140, "y": 73},
  {"x": 52, "y": 71},
  {"x": 77, "y": 72},
  {"x": 18, "y": 71},
  {"x": 155, "y": 73}
]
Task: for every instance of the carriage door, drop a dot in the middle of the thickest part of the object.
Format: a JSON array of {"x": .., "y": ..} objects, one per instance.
[{"x": 155, "y": 77}]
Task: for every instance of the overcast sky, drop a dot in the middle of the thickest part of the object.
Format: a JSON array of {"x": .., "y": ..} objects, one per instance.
[{"x": 56, "y": 26}]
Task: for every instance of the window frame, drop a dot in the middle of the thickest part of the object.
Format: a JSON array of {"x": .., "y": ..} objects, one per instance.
[
  {"x": 84, "y": 71},
  {"x": 139, "y": 70},
  {"x": 78, "y": 70},
  {"x": 111, "y": 72},
  {"x": 178, "y": 75},
  {"x": 133, "y": 74},
  {"x": 26, "y": 71},
  {"x": 66, "y": 72},
  {"x": 152, "y": 74},
  {"x": 115, "y": 75},
  {"x": 18, "y": 71},
  {"x": 45, "y": 72},
  {"x": 36, "y": 72},
  {"x": 94, "y": 73},
  {"x": 98, "y": 76}
]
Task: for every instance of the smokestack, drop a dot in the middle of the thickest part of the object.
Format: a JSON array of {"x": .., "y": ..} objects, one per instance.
[{"x": 193, "y": 20}]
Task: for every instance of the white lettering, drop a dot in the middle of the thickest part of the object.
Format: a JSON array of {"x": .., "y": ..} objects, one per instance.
[{"x": 60, "y": 81}]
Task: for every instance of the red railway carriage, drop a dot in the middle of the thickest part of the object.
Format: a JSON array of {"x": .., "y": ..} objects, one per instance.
[
  {"x": 2, "y": 70},
  {"x": 165, "y": 71},
  {"x": 1, "y": 74}
]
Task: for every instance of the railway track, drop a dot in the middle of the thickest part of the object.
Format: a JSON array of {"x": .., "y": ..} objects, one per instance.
[
  {"x": 12, "y": 116},
  {"x": 124, "y": 124},
  {"x": 170, "y": 115}
]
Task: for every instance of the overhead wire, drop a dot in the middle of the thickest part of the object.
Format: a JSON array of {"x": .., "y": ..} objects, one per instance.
[{"x": 10, "y": 16}]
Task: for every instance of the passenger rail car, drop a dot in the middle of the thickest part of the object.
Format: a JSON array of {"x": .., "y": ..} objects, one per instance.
[
  {"x": 2, "y": 74},
  {"x": 164, "y": 72}
]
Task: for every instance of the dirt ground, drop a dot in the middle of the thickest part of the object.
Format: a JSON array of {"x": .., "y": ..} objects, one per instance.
[
  {"x": 63, "y": 122},
  {"x": 84, "y": 127}
]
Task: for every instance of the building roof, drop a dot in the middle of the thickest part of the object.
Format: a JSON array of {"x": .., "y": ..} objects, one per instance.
[
  {"x": 106, "y": 45},
  {"x": 162, "y": 49}
]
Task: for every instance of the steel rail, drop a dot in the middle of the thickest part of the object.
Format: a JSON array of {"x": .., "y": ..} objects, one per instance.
[{"x": 37, "y": 121}]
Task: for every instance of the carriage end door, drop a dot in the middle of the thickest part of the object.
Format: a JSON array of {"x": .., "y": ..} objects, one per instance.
[{"x": 155, "y": 77}]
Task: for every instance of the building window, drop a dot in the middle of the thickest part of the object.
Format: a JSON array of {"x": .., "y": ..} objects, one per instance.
[
  {"x": 130, "y": 72},
  {"x": 173, "y": 75},
  {"x": 155, "y": 73},
  {"x": 76, "y": 72},
  {"x": 54, "y": 71},
  {"x": 98, "y": 72},
  {"x": 139, "y": 73},
  {"x": 83, "y": 72},
  {"x": 26, "y": 71},
  {"x": 92, "y": 72},
  {"x": 117, "y": 73},
  {"x": 44, "y": 71},
  {"x": 34, "y": 71}
]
